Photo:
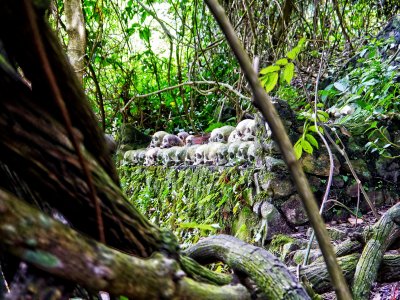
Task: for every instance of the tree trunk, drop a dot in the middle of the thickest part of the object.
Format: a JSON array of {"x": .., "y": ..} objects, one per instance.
[{"x": 75, "y": 23}]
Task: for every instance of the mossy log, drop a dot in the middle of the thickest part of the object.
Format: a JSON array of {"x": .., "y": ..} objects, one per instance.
[
  {"x": 318, "y": 276},
  {"x": 268, "y": 272},
  {"x": 383, "y": 233},
  {"x": 59, "y": 250}
]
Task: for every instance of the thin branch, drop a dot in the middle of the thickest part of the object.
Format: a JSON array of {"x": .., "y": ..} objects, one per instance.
[
  {"x": 225, "y": 85},
  {"x": 263, "y": 102}
]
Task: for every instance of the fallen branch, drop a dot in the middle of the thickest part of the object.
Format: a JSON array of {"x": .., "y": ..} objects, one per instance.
[
  {"x": 318, "y": 276},
  {"x": 382, "y": 235},
  {"x": 268, "y": 272}
]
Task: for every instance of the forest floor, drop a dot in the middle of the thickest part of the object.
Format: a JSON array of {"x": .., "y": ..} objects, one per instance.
[{"x": 380, "y": 291}]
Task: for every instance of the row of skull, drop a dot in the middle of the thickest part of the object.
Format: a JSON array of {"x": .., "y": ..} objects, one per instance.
[
  {"x": 245, "y": 131},
  {"x": 214, "y": 153}
]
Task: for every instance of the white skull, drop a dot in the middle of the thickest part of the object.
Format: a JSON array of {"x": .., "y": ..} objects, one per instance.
[
  {"x": 241, "y": 127},
  {"x": 190, "y": 154},
  {"x": 157, "y": 138},
  {"x": 233, "y": 137},
  {"x": 129, "y": 156},
  {"x": 179, "y": 155},
  {"x": 211, "y": 153},
  {"x": 200, "y": 154},
  {"x": 134, "y": 157},
  {"x": 252, "y": 152},
  {"x": 242, "y": 152},
  {"x": 232, "y": 152},
  {"x": 221, "y": 134},
  {"x": 250, "y": 131},
  {"x": 151, "y": 156},
  {"x": 222, "y": 155},
  {"x": 168, "y": 156},
  {"x": 140, "y": 156}
]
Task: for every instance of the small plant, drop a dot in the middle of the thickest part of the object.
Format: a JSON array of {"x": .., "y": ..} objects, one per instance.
[
  {"x": 307, "y": 142},
  {"x": 282, "y": 68}
]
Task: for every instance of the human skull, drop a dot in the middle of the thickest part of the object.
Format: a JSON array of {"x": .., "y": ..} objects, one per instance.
[
  {"x": 189, "y": 140},
  {"x": 128, "y": 156},
  {"x": 168, "y": 156},
  {"x": 232, "y": 152},
  {"x": 241, "y": 127},
  {"x": 222, "y": 155},
  {"x": 140, "y": 156},
  {"x": 151, "y": 156},
  {"x": 179, "y": 155},
  {"x": 200, "y": 154},
  {"x": 233, "y": 137},
  {"x": 250, "y": 131},
  {"x": 157, "y": 138},
  {"x": 171, "y": 140},
  {"x": 183, "y": 135},
  {"x": 251, "y": 152},
  {"x": 190, "y": 154},
  {"x": 211, "y": 153},
  {"x": 133, "y": 157},
  {"x": 160, "y": 157},
  {"x": 221, "y": 134},
  {"x": 242, "y": 152}
]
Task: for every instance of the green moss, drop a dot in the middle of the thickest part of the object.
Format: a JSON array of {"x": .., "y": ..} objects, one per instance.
[
  {"x": 202, "y": 195},
  {"x": 278, "y": 242}
]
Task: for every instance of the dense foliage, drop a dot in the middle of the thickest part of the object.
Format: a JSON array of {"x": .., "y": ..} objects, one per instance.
[{"x": 136, "y": 48}]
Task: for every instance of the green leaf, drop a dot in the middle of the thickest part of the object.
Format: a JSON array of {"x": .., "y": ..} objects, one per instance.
[
  {"x": 340, "y": 86},
  {"x": 307, "y": 146},
  {"x": 270, "y": 69},
  {"x": 288, "y": 72},
  {"x": 298, "y": 149},
  {"x": 291, "y": 54},
  {"x": 312, "y": 140},
  {"x": 282, "y": 62},
  {"x": 313, "y": 129},
  {"x": 272, "y": 81}
]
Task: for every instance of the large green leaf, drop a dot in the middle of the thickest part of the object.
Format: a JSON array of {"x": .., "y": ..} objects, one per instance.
[
  {"x": 298, "y": 149},
  {"x": 288, "y": 72},
  {"x": 282, "y": 62},
  {"x": 307, "y": 146},
  {"x": 270, "y": 69},
  {"x": 271, "y": 82},
  {"x": 312, "y": 140}
]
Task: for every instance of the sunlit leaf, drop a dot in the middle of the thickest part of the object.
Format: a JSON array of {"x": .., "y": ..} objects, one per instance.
[
  {"x": 270, "y": 69},
  {"x": 312, "y": 140},
  {"x": 272, "y": 81},
  {"x": 307, "y": 146},
  {"x": 288, "y": 72},
  {"x": 282, "y": 62},
  {"x": 298, "y": 149}
]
